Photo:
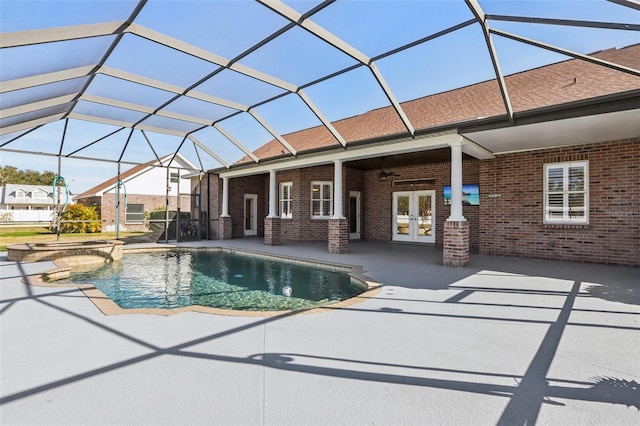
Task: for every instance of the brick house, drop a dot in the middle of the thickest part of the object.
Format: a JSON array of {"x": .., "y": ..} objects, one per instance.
[
  {"x": 559, "y": 179},
  {"x": 145, "y": 187}
]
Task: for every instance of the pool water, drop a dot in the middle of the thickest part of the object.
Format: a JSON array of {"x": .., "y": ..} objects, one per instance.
[{"x": 176, "y": 279}]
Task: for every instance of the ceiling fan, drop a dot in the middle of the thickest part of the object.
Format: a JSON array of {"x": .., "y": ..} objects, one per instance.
[{"x": 382, "y": 176}]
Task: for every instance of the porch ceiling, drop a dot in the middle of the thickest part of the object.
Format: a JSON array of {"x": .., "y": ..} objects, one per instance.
[{"x": 572, "y": 131}]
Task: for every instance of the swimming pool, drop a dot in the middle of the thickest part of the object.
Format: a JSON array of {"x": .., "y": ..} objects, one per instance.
[{"x": 217, "y": 279}]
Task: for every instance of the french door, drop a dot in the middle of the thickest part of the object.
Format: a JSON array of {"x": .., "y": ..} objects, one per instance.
[
  {"x": 250, "y": 214},
  {"x": 414, "y": 216}
]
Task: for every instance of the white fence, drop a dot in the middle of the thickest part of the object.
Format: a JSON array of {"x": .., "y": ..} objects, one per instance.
[{"x": 17, "y": 216}]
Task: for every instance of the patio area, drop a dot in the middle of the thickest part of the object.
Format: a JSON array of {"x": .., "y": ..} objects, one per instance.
[{"x": 502, "y": 341}]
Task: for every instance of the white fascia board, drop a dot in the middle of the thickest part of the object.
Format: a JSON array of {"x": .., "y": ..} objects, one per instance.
[
  {"x": 41, "y": 79},
  {"x": 176, "y": 44},
  {"x": 34, "y": 106},
  {"x": 30, "y": 124},
  {"x": 208, "y": 151},
  {"x": 350, "y": 154},
  {"x": 50, "y": 35}
]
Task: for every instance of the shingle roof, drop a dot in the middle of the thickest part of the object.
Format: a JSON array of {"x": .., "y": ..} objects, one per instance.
[{"x": 554, "y": 84}]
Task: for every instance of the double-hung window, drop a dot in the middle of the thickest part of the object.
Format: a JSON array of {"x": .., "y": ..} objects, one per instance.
[
  {"x": 285, "y": 200},
  {"x": 566, "y": 193},
  {"x": 135, "y": 213},
  {"x": 321, "y": 200}
]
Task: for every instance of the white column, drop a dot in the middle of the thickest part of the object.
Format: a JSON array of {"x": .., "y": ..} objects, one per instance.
[
  {"x": 273, "y": 194},
  {"x": 456, "y": 182},
  {"x": 225, "y": 197},
  {"x": 337, "y": 190}
]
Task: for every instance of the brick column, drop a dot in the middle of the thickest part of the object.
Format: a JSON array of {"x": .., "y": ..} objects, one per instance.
[
  {"x": 456, "y": 243},
  {"x": 272, "y": 231},
  {"x": 225, "y": 230},
  {"x": 338, "y": 236}
]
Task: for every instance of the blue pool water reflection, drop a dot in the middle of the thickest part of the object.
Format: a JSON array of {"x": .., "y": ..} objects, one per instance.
[{"x": 216, "y": 279}]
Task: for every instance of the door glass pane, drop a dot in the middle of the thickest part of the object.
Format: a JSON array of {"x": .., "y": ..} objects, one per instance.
[
  {"x": 247, "y": 214},
  {"x": 402, "y": 215},
  {"x": 424, "y": 215},
  {"x": 353, "y": 215}
]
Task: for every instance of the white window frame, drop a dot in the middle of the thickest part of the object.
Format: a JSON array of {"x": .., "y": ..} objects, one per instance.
[
  {"x": 39, "y": 194},
  {"x": 323, "y": 198},
  {"x": 127, "y": 216},
  {"x": 566, "y": 218},
  {"x": 286, "y": 203},
  {"x": 21, "y": 194}
]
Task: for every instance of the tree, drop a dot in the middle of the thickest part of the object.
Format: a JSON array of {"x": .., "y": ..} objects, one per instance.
[{"x": 11, "y": 174}]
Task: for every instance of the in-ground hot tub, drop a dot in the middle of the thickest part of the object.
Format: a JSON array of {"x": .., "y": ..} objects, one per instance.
[{"x": 77, "y": 254}]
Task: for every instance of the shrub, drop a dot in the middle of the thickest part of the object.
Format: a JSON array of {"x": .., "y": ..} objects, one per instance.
[{"x": 80, "y": 212}]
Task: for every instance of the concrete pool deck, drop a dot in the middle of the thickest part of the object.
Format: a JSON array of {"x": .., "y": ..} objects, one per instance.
[{"x": 502, "y": 341}]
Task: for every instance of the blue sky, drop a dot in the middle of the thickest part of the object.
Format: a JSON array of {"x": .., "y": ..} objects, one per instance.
[{"x": 230, "y": 27}]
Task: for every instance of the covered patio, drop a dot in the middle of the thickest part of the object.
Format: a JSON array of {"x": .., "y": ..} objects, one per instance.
[{"x": 503, "y": 341}]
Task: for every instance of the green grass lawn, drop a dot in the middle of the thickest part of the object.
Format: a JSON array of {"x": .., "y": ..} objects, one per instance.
[{"x": 19, "y": 235}]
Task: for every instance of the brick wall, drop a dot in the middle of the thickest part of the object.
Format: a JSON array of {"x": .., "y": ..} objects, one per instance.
[
  {"x": 511, "y": 206},
  {"x": 238, "y": 187},
  {"x": 303, "y": 229},
  {"x": 378, "y": 201},
  {"x": 151, "y": 202}
]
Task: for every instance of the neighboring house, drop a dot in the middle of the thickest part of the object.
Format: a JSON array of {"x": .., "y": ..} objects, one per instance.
[
  {"x": 558, "y": 180},
  {"x": 28, "y": 203},
  {"x": 145, "y": 187}
]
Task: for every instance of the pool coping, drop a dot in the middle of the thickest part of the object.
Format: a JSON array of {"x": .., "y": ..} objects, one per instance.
[{"x": 109, "y": 307}]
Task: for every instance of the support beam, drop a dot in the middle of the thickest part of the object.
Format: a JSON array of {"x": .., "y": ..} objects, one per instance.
[
  {"x": 273, "y": 132},
  {"x": 225, "y": 197},
  {"x": 273, "y": 195},
  {"x": 456, "y": 182},
  {"x": 318, "y": 113},
  {"x": 335, "y": 41},
  {"x": 35, "y": 106},
  {"x": 337, "y": 190},
  {"x": 41, "y": 79},
  {"x": 51, "y": 35},
  {"x": 29, "y": 124},
  {"x": 236, "y": 142},
  {"x": 477, "y": 11},
  {"x": 208, "y": 151},
  {"x": 567, "y": 52}
]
